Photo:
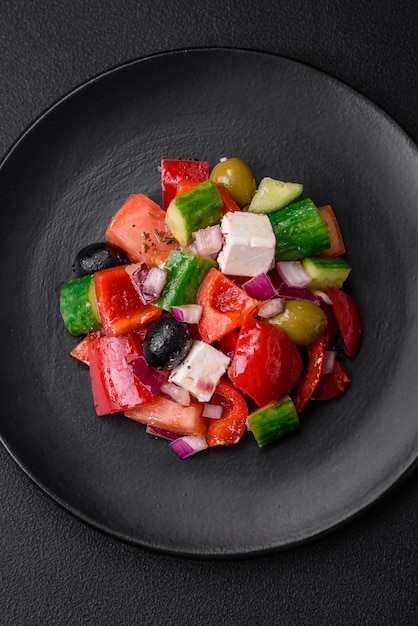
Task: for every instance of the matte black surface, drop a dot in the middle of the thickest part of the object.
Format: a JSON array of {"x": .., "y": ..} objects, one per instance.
[
  {"x": 79, "y": 163},
  {"x": 55, "y": 569}
]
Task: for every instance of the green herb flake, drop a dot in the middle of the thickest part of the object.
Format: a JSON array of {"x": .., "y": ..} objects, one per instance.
[{"x": 163, "y": 237}]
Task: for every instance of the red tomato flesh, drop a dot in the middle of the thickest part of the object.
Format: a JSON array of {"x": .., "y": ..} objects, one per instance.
[
  {"x": 337, "y": 247},
  {"x": 171, "y": 416},
  {"x": 115, "y": 387},
  {"x": 81, "y": 351},
  {"x": 139, "y": 229},
  {"x": 266, "y": 362}
]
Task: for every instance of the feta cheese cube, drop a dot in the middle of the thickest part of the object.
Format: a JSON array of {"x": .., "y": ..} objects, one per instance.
[
  {"x": 201, "y": 370},
  {"x": 249, "y": 246}
]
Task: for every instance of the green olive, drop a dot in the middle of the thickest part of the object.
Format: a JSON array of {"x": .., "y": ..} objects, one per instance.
[
  {"x": 302, "y": 321},
  {"x": 237, "y": 177}
]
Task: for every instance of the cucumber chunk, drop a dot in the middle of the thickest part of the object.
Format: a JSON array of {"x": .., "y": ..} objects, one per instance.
[
  {"x": 197, "y": 208},
  {"x": 273, "y": 195},
  {"x": 326, "y": 271},
  {"x": 185, "y": 274},
  {"x": 78, "y": 305},
  {"x": 300, "y": 231},
  {"x": 273, "y": 421}
]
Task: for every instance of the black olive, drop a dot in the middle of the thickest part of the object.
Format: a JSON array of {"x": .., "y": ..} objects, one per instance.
[
  {"x": 98, "y": 256},
  {"x": 166, "y": 343}
]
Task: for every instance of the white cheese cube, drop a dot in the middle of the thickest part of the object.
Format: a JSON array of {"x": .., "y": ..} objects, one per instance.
[
  {"x": 249, "y": 246},
  {"x": 201, "y": 370}
]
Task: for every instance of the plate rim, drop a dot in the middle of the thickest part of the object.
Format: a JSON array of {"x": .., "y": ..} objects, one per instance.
[
  {"x": 57, "y": 102},
  {"x": 372, "y": 500}
]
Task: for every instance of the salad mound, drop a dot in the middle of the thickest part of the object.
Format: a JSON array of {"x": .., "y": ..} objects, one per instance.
[{"x": 219, "y": 313}]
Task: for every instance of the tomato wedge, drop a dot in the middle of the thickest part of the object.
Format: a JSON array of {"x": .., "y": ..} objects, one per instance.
[
  {"x": 114, "y": 385},
  {"x": 266, "y": 363},
  {"x": 138, "y": 227},
  {"x": 81, "y": 351},
  {"x": 228, "y": 342},
  {"x": 171, "y": 416},
  {"x": 337, "y": 247}
]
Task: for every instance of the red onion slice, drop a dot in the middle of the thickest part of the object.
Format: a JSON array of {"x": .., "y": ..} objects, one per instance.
[
  {"x": 154, "y": 282},
  {"x": 138, "y": 273},
  {"x": 208, "y": 241},
  {"x": 212, "y": 411},
  {"x": 260, "y": 287},
  {"x": 188, "y": 445},
  {"x": 293, "y": 274},
  {"x": 148, "y": 282},
  {"x": 205, "y": 385},
  {"x": 272, "y": 307},
  {"x": 322, "y": 296},
  {"x": 150, "y": 377},
  {"x": 329, "y": 362},
  {"x": 173, "y": 392},
  {"x": 189, "y": 313},
  {"x": 161, "y": 432},
  {"x": 296, "y": 293}
]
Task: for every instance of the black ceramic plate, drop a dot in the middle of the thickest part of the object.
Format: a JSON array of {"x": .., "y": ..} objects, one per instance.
[{"x": 60, "y": 185}]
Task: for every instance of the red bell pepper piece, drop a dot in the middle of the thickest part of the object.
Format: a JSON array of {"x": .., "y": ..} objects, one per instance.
[
  {"x": 174, "y": 170},
  {"x": 114, "y": 385},
  {"x": 185, "y": 185},
  {"x": 330, "y": 332},
  {"x": 225, "y": 306},
  {"x": 313, "y": 372},
  {"x": 348, "y": 319},
  {"x": 230, "y": 428},
  {"x": 120, "y": 307},
  {"x": 332, "y": 384},
  {"x": 229, "y": 204},
  {"x": 266, "y": 363}
]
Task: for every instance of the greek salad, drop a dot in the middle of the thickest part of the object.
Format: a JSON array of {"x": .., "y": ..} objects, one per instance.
[{"x": 219, "y": 312}]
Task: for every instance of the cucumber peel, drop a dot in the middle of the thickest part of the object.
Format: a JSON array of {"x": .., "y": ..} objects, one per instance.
[
  {"x": 193, "y": 210},
  {"x": 273, "y": 194},
  {"x": 326, "y": 271},
  {"x": 300, "y": 231},
  {"x": 185, "y": 274},
  {"x": 78, "y": 305},
  {"x": 273, "y": 421}
]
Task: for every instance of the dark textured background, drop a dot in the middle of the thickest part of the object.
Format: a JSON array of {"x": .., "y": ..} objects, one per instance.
[{"x": 55, "y": 570}]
